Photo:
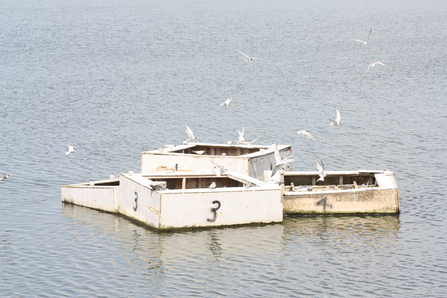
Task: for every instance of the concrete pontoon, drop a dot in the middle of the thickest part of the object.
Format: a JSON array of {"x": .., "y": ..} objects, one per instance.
[
  {"x": 248, "y": 160},
  {"x": 178, "y": 200},
  {"x": 341, "y": 192}
]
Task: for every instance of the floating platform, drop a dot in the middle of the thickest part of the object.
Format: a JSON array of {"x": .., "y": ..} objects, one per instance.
[
  {"x": 178, "y": 200},
  {"x": 249, "y": 160},
  {"x": 355, "y": 192},
  {"x": 174, "y": 190}
]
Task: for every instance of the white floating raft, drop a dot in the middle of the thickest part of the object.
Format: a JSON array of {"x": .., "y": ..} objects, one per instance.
[
  {"x": 173, "y": 190},
  {"x": 167, "y": 201}
]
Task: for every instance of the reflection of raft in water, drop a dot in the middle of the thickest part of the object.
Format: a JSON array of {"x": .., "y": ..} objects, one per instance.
[
  {"x": 182, "y": 200},
  {"x": 373, "y": 192}
]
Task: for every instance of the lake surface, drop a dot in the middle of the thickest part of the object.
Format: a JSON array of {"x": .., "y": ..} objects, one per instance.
[{"x": 115, "y": 78}]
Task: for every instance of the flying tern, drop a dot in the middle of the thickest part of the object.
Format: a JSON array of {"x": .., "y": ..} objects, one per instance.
[
  {"x": 321, "y": 173},
  {"x": 251, "y": 142},
  {"x": 374, "y": 64},
  {"x": 70, "y": 149},
  {"x": 227, "y": 102},
  {"x": 220, "y": 168},
  {"x": 241, "y": 138},
  {"x": 190, "y": 134},
  {"x": 365, "y": 42},
  {"x": 5, "y": 176},
  {"x": 336, "y": 122},
  {"x": 306, "y": 134},
  {"x": 249, "y": 59},
  {"x": 279, "y": 161}
]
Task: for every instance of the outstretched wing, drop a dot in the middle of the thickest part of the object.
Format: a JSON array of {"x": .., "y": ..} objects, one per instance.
[
  {"x": 244, "y": 54},
  {"x": 338, "y": 116}
]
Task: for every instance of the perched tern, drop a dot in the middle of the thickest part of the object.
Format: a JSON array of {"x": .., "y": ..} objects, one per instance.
[
  {"x": 374, "y": 64},
  {"x": 249, "y": 59},
  {"x": 112, "y": 176},
  {"x": 365, "y": 42},
  {"x": 321, "y": 173},
  {"x": 4, "y": 177},
  {"x": 157, "y": 185},
  {"x": 227, "y": 102},
  {"x": 199, "y": 152},
  {"x": 190, "y": 134},
  {"x": 292, "y": 186},
  {"x": 306, "y": 134},
  {"x": 212, "y": 185},
  {"x": 70, "y": 149},
  {"x": 336, "y": 122}
]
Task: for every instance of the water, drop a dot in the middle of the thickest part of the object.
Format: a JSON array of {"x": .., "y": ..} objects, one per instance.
[{"x": 115, "y": 78}]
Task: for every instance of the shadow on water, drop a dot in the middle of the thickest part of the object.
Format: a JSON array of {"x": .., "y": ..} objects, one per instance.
[
  {"x": 345, "y": 234},
  {"x": 298, "y": 249},
  {"x": 215, "y": 244}
]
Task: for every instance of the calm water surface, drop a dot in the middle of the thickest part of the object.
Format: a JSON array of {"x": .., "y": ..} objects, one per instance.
[{"x": 115, "y": 78}]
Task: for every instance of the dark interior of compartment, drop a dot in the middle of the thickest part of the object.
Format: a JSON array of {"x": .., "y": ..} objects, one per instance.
[
  {"x": 298, "y": 180},
  {"x": 114, "y": 183},
  {"x": 330, "y": 180},
  {"x": 198, "y": 182},
  {"x": 215, "y": 150}
]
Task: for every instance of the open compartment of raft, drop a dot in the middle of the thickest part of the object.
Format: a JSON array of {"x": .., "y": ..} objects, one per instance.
[
  {"x": 341, "y": 192},
  {"x": 248, "y": 160}
]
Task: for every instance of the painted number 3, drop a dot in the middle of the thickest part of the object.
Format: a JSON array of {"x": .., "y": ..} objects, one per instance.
[
  {"x": 136, "y": 202},
  {"x": 214, "y": 210}
]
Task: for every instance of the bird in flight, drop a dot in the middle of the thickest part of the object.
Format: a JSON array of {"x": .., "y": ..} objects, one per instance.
[
  {"x": 251, "y": 142},
  {"x": 5, "y": 176},
  {"x": 365, "y": 42},
  {"x": 241, "y": 138},
  {"x": 249, "y": 59},
  {"x": 190, "y": 134},
  {"x": 220, "y": 168},
  {"x": 336, "y": 122},
  {"x": 374, "y": 64},
  {"x": 306, "y": 134},
  {"x": 227, "y": 102},
  {"x": 70, "y": 149},
  {"x": 321, "y": 173},
  {"x": 279, "y": 161}
]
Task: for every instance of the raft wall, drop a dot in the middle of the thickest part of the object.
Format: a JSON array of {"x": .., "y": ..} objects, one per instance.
[
  {"x": 103, "y": 198},
  {"x": 138, "y": 201},
  {"x": 189, "y": 208},
  {"x": 372, "y": 200},
  {"x": 151, "y": 161},
  {"x": 220, "y": 207}
]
